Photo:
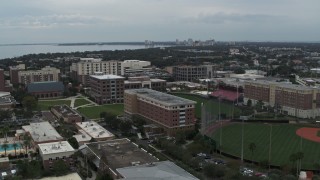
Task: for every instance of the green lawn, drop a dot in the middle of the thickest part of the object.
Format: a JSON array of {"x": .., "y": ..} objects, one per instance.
[
  {"x": 44, "y": 105},
  {"x": 94, "y": 112},
  {"x": 80, "y": 102},
  {"x": 225, "y": 108},
  {"x": 284, "y": 143}
]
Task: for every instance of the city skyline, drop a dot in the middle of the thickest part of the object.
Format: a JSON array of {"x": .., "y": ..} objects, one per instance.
[{"x": 73, "y": 21}]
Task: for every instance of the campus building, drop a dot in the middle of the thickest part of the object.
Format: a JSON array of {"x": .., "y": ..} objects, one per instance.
[
  {"x": 54, "y": 151},
  {"x": 42, "y": 132},
  {"x": 290, "y": 99},
  {"x": 13, "y": 72},
  {"x": 88, "y": 66},
  {"x": 106, "y": 89},
  {"x": 170, "y": 112},
  {"x": 66, "y": 113},
  {"x": 45, "y": 74},
  {"x": 191, "y": 73},
  {"x": 94, "y": 130},
  {"x": 145, "y": 82},
  {"x": 46, "y": 90},
  {"x": 5, "y": 85}
]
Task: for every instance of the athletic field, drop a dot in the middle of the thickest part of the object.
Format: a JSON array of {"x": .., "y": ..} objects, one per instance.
[
  {"x": 284, "y": 143},
  {"x": 225, "y": 108}
]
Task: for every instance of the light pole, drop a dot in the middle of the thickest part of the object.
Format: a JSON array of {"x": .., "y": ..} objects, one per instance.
[
  {"x": 220, "y": 125},
  {"x": 242, "y": 139},
  {"x": 270, "y": 144}
]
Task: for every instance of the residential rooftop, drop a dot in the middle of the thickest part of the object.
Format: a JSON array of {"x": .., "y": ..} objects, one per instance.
[
  {"x": 42, "y": 131},
  {"x": 159, "y": 97},
  {"x": 119, "y": 153},
  {"x": 55, "y": 147},
  {"x": 94, "y": 130},
  {"x": 156, "y": 171}
]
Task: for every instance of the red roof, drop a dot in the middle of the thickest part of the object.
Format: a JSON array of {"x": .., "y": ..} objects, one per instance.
[{"x": 225, "y": 94}]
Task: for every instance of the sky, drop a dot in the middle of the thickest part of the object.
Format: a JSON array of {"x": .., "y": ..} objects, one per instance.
[{"x": 62, "y": 21}]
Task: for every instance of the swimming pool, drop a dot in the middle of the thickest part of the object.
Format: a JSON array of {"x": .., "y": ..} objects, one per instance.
[{"x": 10, "y": 147}]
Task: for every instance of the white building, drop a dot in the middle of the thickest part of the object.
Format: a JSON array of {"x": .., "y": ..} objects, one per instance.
[
  {"x": 42, "y": 132},
  {"x": 95, "y": 131}
]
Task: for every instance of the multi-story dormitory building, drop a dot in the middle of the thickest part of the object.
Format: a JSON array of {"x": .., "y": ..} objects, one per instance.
[
  {"x": 88, "y": 66},
  {"x": 290, "y": 99},
  {"x": 169, "y": 112},
  {"x": 191, "y": 73}
]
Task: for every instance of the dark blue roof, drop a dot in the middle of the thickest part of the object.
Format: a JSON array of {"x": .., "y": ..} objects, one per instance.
[{"x": 45, "y": 86}]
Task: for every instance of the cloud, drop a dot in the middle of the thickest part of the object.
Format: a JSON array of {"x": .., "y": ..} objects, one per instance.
[
  {"x": 55, "y": 20},
  {"x": 221, "y": 18}
]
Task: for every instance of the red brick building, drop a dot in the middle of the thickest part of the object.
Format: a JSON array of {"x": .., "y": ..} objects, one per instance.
[
  {"x": 170, "y": 112},
  {"x": 106, "y": 89},
  {"x": 52, "y": 152},
  {"x": 66, "y": 113}
]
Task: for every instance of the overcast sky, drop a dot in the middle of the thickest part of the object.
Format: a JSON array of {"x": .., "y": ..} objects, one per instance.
[{"x": 41, "y": 21}]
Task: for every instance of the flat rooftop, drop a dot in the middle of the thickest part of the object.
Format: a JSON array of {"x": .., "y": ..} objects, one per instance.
[
  {"x": 283, "y": 85},
  {"x": 159, "y": 97},
  {"x": 94, "y": 130},
  {"x": 119, "y": 153},
  {"x": 157, "y": 171},
  {"x": 42, "y": 131},
  {"x": 55, "y": 147},
  {"x": 65, "y": 110},
  {"x": 82, "y": 136},
  {"x": 106, "y": 76}
]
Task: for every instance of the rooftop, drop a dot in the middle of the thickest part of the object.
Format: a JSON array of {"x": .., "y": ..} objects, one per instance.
[
  {"x": 106, "y": 76},
  {"x": 45, "y": 86},
  {"x": 72, "y": 176},
  {"x": 42, "y": 131},
  {"x": 94, "y": 130},
  {"x": 55, "y": 147},
  {"x": 65, "y": 110},
  {"x": 120, "y": 153},
  {"x": 156, "y": 171},
  {"x": 282, "y": 85},
  {"x": 160, "y": 97},
  {"x": 83, "y": 136}
]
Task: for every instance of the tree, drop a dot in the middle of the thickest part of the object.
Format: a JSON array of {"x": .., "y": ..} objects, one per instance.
[
  {"x": 125, "y": 126},
  {"x": 30, "y": 103},
  {"x": 60, "y": 167},
  {"x": 252, "y": 147},
  {"x": 249, "y": 103},
  {"x": 15, "y": 146},
  {"x": 26, "y": 142},
  {"x": 259, "y": 105},
  {"x": 73, "y": 142},
  {"x": 180, "y": 137},
  {"x": 213, "y": 171},
  {"x": 5, "y": 146},
  {"x": 5, "y": 131},
  {"x": 239, "y": 71}
]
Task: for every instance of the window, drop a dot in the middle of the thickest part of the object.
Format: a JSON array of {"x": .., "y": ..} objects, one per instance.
[
  {"x": 50, "y": 159},
  {"x": 57, "y": 158}
]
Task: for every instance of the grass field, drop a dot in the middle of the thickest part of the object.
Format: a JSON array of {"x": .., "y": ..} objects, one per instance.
[
  {"x": 284, "y": 143},
  {"x": 80, "y": 102},
  {"x": 44, "y": 105},
  {"x": 225, "y": 108},
  {"x": 94, "y": 112}
]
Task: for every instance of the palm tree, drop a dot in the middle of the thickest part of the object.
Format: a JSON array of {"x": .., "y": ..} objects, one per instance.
[
  {"x": 26, "y": 142},
  {"x": 252, "y": 147},
  {"x": 300, "y": 156},
  {"x": 5, "y": 146},
  {"x": 15, "y": 146},
  {"x": 5, "y": 131},
  {"x": 293, "y": 158}
]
